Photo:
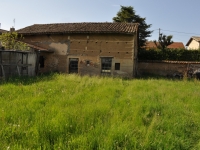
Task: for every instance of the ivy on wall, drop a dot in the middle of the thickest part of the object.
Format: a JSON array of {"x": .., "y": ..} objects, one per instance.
[{"x": 169, "y": 54}]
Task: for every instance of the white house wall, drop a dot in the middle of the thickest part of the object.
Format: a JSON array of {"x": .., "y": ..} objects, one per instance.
[{"x": 193, "y": 45}]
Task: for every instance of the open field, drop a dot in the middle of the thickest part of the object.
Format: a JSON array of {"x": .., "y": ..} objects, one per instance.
[{"x": 90, "y": 113}]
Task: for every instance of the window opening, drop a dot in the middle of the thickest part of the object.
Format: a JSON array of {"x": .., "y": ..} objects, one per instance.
[
  {"x": 88, "y": 63},
  {"x": 73, "y": 65},
  {"x": 117, "y": 66},
  {"x": 106, "y": 64}
]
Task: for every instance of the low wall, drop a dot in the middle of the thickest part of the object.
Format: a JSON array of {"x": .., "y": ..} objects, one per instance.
[{"x": 167, "y": 68}]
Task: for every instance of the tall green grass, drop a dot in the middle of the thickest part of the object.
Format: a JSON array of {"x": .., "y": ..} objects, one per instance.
[{"x": 93, "y": 113}]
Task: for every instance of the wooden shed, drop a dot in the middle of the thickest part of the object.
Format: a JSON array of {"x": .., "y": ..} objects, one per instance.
[{"x": 17, "y": 63}]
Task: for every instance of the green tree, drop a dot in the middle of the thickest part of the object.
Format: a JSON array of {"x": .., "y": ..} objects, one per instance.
[
  {"x": 127, "y": 14},
  {"x": 163, "y": 41},
  {"x": 11, "y": 41}
]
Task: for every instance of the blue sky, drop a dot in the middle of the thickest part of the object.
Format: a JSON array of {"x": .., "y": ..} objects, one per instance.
[{"x": 179, "y": 18}]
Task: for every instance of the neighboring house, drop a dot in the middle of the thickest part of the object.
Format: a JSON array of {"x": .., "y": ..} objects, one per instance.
[
  {"x": 86, "y": 48},
  {"x": 193, "y": 43},
  {"x": 174, "y": 45},
  {"x": 2, "y": 31}
]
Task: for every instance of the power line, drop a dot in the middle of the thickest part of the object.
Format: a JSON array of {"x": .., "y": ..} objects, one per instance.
[{"x": 178, "y": 32}]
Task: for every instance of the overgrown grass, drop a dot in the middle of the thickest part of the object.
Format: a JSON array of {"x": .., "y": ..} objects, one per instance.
[{"x": 93, "y": 113}]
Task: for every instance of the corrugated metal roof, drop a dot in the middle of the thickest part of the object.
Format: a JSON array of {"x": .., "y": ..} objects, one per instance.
[{"x": 125, "y": 28}]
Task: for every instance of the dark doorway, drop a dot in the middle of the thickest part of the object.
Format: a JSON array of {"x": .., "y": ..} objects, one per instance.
[
  {"x": 41, "y": 61},
  {"x": 73, "y": 65}
]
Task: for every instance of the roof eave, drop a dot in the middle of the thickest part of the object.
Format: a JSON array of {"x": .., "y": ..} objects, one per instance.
[
  {"x": 40, "y": 33},
  {"x": 190, "y": 40}
]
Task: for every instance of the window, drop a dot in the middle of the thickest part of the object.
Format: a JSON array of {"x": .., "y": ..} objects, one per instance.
[
  {"x": 117, "y": 66},
  {"x": 88, "y": 62},
  {"x": 73, "y": 65},
  {"x": 106, "y": 64}
]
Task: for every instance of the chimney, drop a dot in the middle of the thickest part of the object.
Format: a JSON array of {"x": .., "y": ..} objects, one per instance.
[{"x": 12, "y": 29}]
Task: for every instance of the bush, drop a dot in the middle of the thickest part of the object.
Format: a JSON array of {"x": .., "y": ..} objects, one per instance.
[{"x": 169, "y": 54}]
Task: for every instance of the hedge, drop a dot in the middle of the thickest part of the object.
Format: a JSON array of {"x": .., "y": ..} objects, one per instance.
[{"x": 169, "y": 54}]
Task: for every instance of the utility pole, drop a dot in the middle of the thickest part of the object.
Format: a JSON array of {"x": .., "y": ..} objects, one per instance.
[
  {"x": 159, "y": 32},
  {"x": 14, "y": 23}
]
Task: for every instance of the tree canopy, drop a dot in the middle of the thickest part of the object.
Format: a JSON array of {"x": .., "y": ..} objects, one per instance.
[
  {"x": 11, "y": 41},
  {"x": 127, "y": 14},
  {"x": 163, "y": 41}
]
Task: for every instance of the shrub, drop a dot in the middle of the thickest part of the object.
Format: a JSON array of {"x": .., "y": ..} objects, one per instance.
[{"x": 169, "y": 54}]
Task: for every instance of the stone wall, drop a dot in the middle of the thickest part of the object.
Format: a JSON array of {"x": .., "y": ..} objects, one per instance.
[{"x": 167, "y": 68}]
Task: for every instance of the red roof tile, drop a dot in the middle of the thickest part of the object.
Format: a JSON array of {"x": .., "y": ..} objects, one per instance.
[
  {"x": 150, "y": 45},
  {"x": 174, "y": 45},
  {"x": 170, "y": 61},
  {"x": 126, "y": 28},
  {"x": 36, "y": 47}
]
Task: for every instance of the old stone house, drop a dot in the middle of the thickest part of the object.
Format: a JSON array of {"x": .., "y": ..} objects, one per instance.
[{"x": 85, "y": 48}]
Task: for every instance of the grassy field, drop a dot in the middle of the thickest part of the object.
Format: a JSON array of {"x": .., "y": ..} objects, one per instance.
[{"x": 91, "y": 113}]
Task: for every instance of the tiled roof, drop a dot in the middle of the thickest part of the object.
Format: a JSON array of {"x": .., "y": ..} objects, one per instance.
[
  {"x": 151, "y": 44},
  {"x": 197, "y": 38},
  {"x": 36, "y": 47},
  {"x": 170, "y": 61},
  {"x": 174, "y": 45},
  {"x": 126, "y": 28}
]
